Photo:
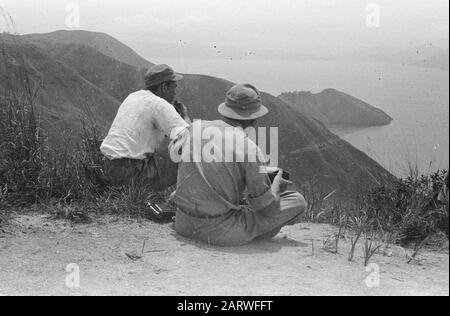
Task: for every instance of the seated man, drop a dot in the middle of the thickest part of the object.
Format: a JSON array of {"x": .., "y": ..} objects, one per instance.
[
  {"x": 137, "y": 144},
  {"x": 209, "y": 191}
]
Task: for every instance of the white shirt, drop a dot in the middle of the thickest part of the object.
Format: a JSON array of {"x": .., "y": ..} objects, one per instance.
[{"x": 141, "y": 125}]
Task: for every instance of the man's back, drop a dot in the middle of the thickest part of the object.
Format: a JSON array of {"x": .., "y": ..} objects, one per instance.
[
  {"x": 218, "y": 165},
  {"x": 141, "y": 124},
  {"x": 137, "y": 144},
  {"x": 214, "y": 179}
]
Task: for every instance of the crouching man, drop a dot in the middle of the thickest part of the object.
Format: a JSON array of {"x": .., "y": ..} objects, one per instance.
[
  {"x": 211, "y": 187},
  {"x": 137, "y": 144},
  {"x": 443, "y": 194}
]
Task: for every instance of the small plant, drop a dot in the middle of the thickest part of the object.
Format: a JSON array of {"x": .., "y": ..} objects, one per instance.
[
  {"x": 331, "y": 243},
  {"x": 405, "y": 211},
  {"x": 316, "y": 198},
  {"x": 76, "y": 214},
  {"x": 417, "y": 248},
  {"x": 389, "y": 239},
  {"x": 359, "y": 226},
  {"x": 371, "y": 247}
]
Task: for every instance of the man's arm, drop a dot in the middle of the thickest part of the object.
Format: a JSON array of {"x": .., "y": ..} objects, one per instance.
[
  {"x": 182, "y": 110},
  {"x": 262, "y": 194},
  {"x": 168, "y": 120}
]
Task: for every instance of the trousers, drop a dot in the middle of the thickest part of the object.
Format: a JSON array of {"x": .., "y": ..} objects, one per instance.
[
  {"x": 156, "y": 172},
  {"x": 240, "y": 227}
]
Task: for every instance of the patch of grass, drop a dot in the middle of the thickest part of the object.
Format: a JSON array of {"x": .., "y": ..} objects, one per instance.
[
  {"x": 388, "y": 240},
  {"x": 358, "y": 224},
  {"x": 405, "y": 211},
  {"x": 331, "y": 244},
  {"x": 74, "y": 213},
  {"x": 134, "y": 200},
  {"x": 416, "y": 250},
  {"x": 68, "y": 178},
  {"x": 410, "y": 207}
]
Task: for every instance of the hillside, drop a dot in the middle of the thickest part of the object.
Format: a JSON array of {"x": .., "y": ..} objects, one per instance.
[
  {"x": 78, "y": 75},
  {"x": 101, "y": 42},
  {"x": 64, "y": 94},
  {"x": 333, "y": 107}
]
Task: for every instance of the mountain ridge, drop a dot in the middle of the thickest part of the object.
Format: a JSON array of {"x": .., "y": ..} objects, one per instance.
[{"x": 104, "y": 43}]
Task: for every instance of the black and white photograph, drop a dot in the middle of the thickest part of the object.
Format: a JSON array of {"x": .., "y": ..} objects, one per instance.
[{"x": 224, "y": 155}]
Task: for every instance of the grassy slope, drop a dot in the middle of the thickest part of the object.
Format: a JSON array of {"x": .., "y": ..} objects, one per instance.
[{"x": 105, "y": 44}]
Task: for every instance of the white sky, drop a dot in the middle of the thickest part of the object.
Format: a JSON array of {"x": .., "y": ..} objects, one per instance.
[{"x": 291, "y": 25}]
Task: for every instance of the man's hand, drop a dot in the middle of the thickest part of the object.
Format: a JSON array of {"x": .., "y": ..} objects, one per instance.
[
  {"x": 279, "y": 184},
  {"x": 181, "y": 108}
]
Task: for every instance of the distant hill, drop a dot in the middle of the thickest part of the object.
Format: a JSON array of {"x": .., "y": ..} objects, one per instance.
[
  {"x": 77, "y": 76},
  {"x": 105, "y": 44},
  {"x": 333, "y": 107},
  {"x": 64, "y": 94},
  {"x": 438, "y": 61}
]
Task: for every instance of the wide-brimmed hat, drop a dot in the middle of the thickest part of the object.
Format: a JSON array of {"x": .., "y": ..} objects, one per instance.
[
  {"x": 243, "y": 102},
  {"x": 159, "y": 74}
]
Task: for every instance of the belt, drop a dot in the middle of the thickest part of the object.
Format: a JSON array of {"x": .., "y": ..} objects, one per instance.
[
  {"x": 127, "y": 160},
  {"x": 132, "y": 161},
  {"x": 148, "y": 156},
  {"x": 204, "y": 216}
]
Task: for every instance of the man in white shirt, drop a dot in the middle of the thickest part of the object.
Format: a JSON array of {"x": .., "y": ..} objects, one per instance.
[{"x": 136, "y": 147}]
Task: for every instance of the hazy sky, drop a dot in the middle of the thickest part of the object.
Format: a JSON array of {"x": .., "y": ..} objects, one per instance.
[{"x": 290, "y": 25}]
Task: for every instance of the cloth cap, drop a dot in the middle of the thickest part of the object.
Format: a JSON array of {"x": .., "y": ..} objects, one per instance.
[{"x": 159, "y": 74}]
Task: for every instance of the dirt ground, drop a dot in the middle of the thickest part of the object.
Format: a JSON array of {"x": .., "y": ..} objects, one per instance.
[{"x": 36, "y": 251}]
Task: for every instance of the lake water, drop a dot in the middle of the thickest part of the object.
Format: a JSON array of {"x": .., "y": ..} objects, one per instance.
[{"x": 417, "y": 98}]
